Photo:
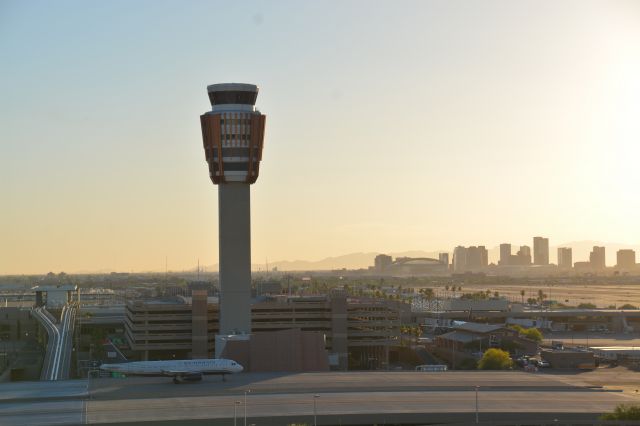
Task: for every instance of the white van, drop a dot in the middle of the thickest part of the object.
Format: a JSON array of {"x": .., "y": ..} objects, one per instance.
[{"x": 431, "y": 368}]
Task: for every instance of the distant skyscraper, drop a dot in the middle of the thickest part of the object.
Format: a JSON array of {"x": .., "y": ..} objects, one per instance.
[
  {"x": 460, "y": 260},
  {"x": 466, "y": 259},
  {"x": 626, "y": 259},
  {"x": 597, "y": 258},
  {"x": 444, "y": 258},
  {"x": 477, "y": 257},
  {"x": 485, "y": 256},
  {"x": 474, "y": 259},
  {"x": 505, "y": 254},
  {"x": 565, "y": 257},
  {"x": 524, "y": 256},
  {"x": 540, "y": 251},
  {"x": 382, "y": 261}
]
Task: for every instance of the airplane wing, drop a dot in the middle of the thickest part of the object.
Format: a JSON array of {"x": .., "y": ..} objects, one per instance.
[
  {"x": 174, "y": 373},
  {"x": 180, "y": 376}
]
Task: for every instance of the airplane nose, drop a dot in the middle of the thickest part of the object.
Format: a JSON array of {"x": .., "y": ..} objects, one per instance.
[{"x": 109, "y": 367}]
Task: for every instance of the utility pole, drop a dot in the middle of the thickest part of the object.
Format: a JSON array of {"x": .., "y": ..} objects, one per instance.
[{"x": 477, "y": 417}]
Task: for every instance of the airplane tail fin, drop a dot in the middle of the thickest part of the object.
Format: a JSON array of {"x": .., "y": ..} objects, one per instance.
[{"x": 113, "y": 353}]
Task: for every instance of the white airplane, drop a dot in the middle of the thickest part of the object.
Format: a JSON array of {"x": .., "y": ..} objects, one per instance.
[{"x": 183, "y": 370}]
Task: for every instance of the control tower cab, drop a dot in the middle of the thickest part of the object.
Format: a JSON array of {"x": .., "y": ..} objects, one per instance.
[{"x": 233, "y": 133}]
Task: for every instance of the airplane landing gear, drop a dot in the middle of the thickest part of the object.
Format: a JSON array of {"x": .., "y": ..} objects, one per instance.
[{"x": 224, "y": 379}]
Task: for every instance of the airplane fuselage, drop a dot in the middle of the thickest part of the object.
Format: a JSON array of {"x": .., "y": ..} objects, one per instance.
[{"x": 175, "y": 368}]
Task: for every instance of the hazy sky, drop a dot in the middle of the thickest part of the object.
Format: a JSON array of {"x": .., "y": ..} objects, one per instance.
[{"x": 390, "y": 126}]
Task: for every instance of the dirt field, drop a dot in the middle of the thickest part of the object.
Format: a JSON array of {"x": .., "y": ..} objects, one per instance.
[
  {"x": 611, "y": 378},
  {"x": 569, "y": 294},
  {"x": 594, "y": 339}
]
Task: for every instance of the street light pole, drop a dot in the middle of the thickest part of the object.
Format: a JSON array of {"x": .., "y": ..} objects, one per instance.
[
  {"x": 315, "y": 421},
  {"x": 89, "y": 376},
  {"x": 477, "y": 419},
  {"x": 245, "y": 406},
  {"x": 235, "y": 410}
]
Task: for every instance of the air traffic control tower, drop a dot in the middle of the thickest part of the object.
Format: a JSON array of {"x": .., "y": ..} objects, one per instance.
[{"x": 233, "y": 135}]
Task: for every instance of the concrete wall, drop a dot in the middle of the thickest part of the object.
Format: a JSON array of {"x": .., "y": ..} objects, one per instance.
[
  {"x": 199, "y": 324},
  {"x": 285, "y": 350},
  {"x": 17, "y": 323},
  {"x": 339, "y": 338},
  {"x": 476, "y": 305}
]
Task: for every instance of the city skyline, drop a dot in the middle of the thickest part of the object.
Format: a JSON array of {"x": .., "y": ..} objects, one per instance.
[
  {"x": 457, "y": 124},
  {"x": 363, "y": 260}
]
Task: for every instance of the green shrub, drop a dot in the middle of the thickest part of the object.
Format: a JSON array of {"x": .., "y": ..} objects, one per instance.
[
  {"x": 495, "y": 359},
  {"x": 628, "y": 306},
  {"x": 586, "y": 306},
  {"x": 467, "y": 364},
  {"x": 623, "y": 412},
  {"x": 533, "y": 334},
  {"x": 530, "y": 333}
]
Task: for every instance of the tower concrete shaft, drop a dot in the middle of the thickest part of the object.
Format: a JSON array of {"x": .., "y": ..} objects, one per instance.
[
  {"x": 234, "y": 219},
  {"x": 233, "y": 136}
]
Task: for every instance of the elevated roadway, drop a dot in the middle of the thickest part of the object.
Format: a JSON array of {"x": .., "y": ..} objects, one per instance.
[
  {"x": 343, "y": 398},
  {"x": 57, "y": 362}
]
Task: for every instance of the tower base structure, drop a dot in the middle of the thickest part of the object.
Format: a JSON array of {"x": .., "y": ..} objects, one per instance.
[{"x": 235, "y": 258}]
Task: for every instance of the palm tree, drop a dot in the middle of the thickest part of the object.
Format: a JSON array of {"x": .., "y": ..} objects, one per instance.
[
  {"x": 522, "y": 296},
  {"x": 428, "y": 293},
  {"x": 541, "y": 296}
]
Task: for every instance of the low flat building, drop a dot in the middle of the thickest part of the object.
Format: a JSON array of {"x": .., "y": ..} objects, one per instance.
[
  {"x": 569, "y": 359},
  {"x": 461, "y": 304},
  {"x": 473, "y": 339},
  {"x": 409, "y": 266},
  {"x": 617, "y": 353}
]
